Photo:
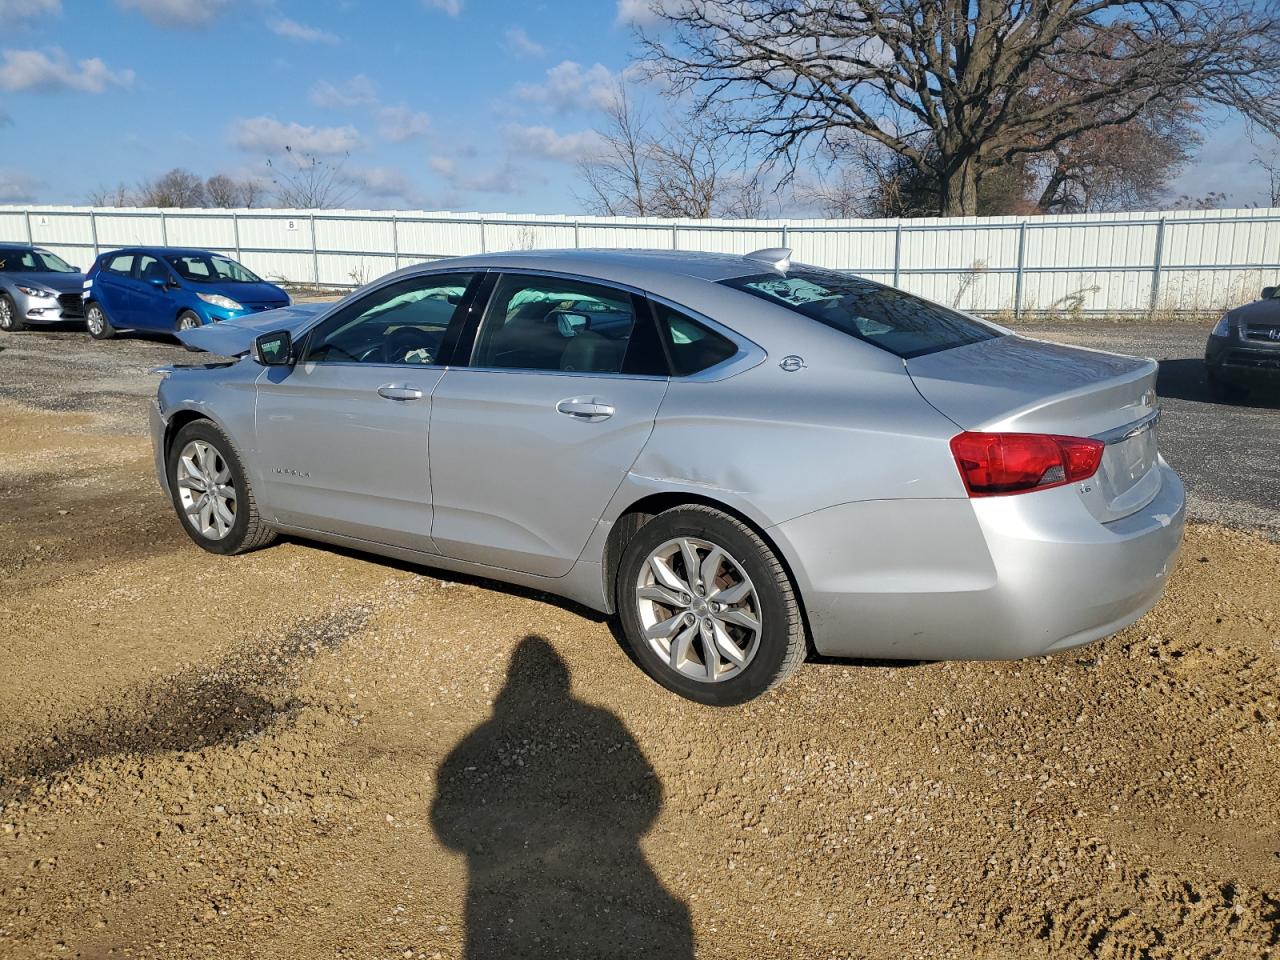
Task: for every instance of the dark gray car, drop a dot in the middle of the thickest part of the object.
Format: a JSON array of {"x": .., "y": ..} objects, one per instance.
[
  {"x": 37, "y": 286},
  {"x": 1244, "y": 347}
]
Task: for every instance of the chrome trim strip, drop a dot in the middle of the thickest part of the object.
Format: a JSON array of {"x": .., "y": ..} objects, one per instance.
[{"x": 1129, "y": 430}]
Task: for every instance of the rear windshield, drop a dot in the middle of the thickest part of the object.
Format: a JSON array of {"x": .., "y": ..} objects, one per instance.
[
  {"x": 887, "y": 318},
  {"x": 211, "y": 268}
]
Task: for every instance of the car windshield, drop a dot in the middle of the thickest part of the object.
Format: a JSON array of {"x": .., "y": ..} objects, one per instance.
[
  {"x": 211, "y": 268},
  {"x": 33, "y": 261},
  {"x": 904, "y": 325}
]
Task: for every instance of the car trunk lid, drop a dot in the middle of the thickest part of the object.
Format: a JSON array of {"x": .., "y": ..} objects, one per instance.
[{"x": 1018, "y": 385}]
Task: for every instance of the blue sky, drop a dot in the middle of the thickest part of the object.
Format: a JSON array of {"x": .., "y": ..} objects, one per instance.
[{"x": 441, "y": 104}]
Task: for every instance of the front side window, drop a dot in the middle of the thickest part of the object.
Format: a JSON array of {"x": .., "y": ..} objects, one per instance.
[
  {"x": 151, "y": 270},
  {"x": 211, "y": 268},
  {"x": 904, "y": 325},
  {"x": 548, "y": 323},
  {"x": 401, "y": 323}
]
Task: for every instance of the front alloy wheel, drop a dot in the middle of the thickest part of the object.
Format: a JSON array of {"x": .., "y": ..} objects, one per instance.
[
  {"x": 206, "y": 490},
  {"x": 211, "y": 492},
  {"x": 9, "y": 315}
]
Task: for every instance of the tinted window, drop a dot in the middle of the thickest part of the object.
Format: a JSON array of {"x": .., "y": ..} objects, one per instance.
[
  {"x": 690, "y": 345},
  {"x": 121, "y": 263},
  {"x": 545, "y": 323},
  {"x": 32, "y": 261},
  {"x": 892, "y": 320},
  {"x": 211, "y": 268},
  {"x": 403, "y": 323}
]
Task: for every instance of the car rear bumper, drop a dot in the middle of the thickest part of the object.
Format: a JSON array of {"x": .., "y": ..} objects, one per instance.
[{"x": 986, "y": 579}]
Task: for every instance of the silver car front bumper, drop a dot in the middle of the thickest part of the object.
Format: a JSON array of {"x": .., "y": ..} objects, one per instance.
[{"x": 988, "y": 579}]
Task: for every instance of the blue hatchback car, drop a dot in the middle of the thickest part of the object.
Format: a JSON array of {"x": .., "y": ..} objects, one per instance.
[{"x": 167, "y": 289}]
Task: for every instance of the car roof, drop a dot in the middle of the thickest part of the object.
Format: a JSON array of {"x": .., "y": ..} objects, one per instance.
[
  {"x": 166, "y": 251},
  {"x": 14, "y": 245},
  {"x": 616, "y": 264}
]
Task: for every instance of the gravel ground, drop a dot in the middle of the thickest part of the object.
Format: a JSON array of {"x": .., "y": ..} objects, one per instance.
[{"x": 305, "y": 752}]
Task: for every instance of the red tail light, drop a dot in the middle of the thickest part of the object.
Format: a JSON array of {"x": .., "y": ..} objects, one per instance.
[{"x": 998, "y": 463}]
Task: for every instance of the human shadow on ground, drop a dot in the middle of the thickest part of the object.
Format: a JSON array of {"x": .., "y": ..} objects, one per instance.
[{"x": 548, "y": 799}]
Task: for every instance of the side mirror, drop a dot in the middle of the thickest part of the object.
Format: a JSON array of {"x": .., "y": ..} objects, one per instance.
[
  {"x": 1268, "y": 293},
  {"x": 274, "y": 349}
]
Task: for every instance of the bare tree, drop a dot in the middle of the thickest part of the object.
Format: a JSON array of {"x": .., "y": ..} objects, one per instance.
[
  {"x": 307, "y": 181},
  {"x": 949, "y": 85},
  {"x": 617, "y": 178},
  {"x": 117, "y": 196},
  {"x": 678, "y": 170},
  {"x": 177, "y": 188}
]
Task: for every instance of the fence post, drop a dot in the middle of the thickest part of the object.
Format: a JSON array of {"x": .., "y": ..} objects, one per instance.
[
  {"x": 484, "y": 244},
  {"x": 30, "y": 236},
  {"x": 93, "y": 231},
  {"x": 576, "y": 242},
  {"x": 235, "y": 230},
  {"x": 675, "y": 240},
  {"x": 785, "y": 236},
  {"x": 164, "y": 231},
  {"x": 395, "y": 238},
  {"x": 1157, "y": 266},
  {"x": 1022, "y": 262},
  {"x": 315, "y": 255},
  {"x": 897, "y": 254}
]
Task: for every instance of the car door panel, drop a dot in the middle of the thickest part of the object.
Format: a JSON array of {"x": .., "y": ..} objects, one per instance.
[
  {"x": 517, "y": 483},
  {"x": 343, "y": 434},
  {"x": 341, "y": 456}
]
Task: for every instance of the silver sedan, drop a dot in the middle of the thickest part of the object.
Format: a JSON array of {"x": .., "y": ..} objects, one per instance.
[{"x": 737, "y": 455}]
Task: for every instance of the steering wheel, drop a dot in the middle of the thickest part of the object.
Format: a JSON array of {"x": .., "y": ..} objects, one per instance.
[{"x": 398, "y": 345}]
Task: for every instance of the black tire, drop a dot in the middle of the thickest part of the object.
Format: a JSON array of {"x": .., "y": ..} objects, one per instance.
[
  {"x": 781, "y": 647},
  {"x": 189, "y": 320},
  {"x": 10, "y": 322},
  {"x": 97, "y": 322},
  {"x": 248, "y": 531}
]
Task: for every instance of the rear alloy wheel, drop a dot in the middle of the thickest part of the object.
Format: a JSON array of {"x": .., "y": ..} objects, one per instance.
[
  {"x": 211, "y": 494},
  {"x": 187, "y": 320},
  {"x": 707, "y": 607},
  {"x": 9, "y": 319},
  {"x": 96, "y": 322}
]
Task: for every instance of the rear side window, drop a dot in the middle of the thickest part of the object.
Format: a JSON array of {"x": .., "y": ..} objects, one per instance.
[
  {"x": 550, "y": 323},
  {"x": 121, "y": 263},
  {"x": 691, "y": 346},
  {"x": 904, "y": 325}
]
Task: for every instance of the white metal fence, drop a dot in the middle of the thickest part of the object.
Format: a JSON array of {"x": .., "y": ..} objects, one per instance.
[{"x": 1118, "y": 263}]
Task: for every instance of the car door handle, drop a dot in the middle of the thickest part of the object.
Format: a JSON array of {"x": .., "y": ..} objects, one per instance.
[
  {"x": 393, "y": 392},
  {"x": 585, "y": 408}
]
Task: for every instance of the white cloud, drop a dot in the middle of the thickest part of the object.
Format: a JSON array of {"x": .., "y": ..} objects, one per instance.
[
  {"x": 177, "y": 13},
  {"x": 521, "y": 44},
  {"x": 293, "y": 30},
  {"x": 36, "y": 70},
  {"x": 504, "y": 179},
  {"x": 636, "y": 12},
  {"x": 545, "y": 143},
  {"x": 383, "y": 182},
  {"x": 17, "y": 187},
  {"x": 451, "y": 7},
  {"x": 568, "y": 86},
  {"x": 269, "y": 136},
  {"x": 15, "y": 11},
  {"x": 359, "y": 91},
  {"x": 399, "y": 123}
]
